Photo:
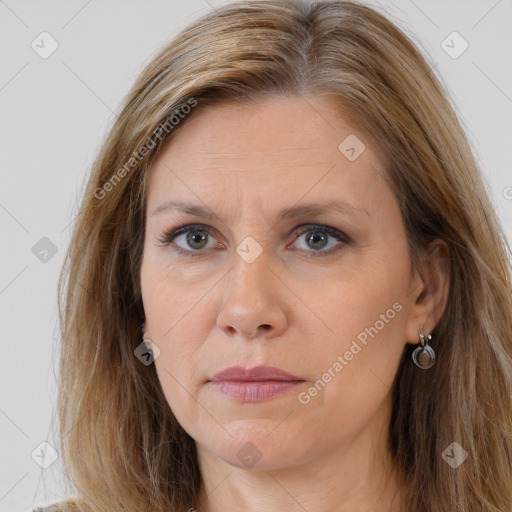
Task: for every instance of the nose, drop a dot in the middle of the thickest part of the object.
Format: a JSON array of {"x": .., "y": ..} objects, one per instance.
[{"x": 253, "y": 304}]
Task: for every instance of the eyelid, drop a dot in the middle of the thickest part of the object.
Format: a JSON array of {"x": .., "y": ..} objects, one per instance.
[
  {"x": 166, "y": 238},
  {"x": 334, "y": 232}
]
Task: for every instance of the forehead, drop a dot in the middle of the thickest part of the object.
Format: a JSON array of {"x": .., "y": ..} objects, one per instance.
[{"x": 282, "y": 148}]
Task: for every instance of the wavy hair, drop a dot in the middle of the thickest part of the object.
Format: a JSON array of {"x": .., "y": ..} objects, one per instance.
[{"x": 122, "y": 447}]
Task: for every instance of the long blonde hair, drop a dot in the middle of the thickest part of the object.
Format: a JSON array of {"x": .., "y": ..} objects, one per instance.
[{"x": 123, "y": 448}]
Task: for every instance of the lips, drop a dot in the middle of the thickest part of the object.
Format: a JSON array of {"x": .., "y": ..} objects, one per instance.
[
  {"x": 255, "y": 384},
  {"x": 256, "y": 374}
]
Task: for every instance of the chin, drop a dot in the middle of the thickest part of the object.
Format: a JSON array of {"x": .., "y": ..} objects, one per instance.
[{"x": 255, "y": 450}]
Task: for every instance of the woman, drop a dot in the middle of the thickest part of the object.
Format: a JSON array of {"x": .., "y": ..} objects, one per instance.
[{"x": 287, "y": 287}]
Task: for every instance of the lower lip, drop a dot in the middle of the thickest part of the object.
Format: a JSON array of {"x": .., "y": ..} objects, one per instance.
[{"x": 252, "y": 391}]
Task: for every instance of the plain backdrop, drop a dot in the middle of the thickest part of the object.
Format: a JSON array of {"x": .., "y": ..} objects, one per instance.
[{"x": 55, "y": 112}]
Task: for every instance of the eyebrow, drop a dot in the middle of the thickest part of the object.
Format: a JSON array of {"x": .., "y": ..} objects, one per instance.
[{"x": 305, "y": 210}]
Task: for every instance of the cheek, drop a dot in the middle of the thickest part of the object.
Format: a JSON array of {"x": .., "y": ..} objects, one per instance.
[
  {"x": 355, "y": 369},
  {"x": 176, "y": 321},
  {"x": 356, "y": 297},
  {"x": 364, "y": 317},
  {"x": 170, "y": 300}
]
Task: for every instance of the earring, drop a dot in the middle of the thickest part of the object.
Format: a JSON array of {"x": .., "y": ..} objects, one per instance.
[{"x": 424, "y": 355}]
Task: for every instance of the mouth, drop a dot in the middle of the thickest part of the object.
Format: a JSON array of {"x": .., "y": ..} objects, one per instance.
[{"x": 256, "y": 384}]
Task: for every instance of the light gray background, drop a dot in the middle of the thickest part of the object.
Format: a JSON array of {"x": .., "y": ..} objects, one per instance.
[{"x": 54, "y": 114}]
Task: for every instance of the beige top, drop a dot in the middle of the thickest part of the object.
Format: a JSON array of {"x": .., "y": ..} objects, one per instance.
[{"x": 48, "y": 508}]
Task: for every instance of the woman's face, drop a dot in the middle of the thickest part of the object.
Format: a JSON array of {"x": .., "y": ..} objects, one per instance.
[{"x": 257, "y": 276}]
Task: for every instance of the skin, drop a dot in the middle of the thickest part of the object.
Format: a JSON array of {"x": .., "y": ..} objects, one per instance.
[{"x": 287, "y": 308}]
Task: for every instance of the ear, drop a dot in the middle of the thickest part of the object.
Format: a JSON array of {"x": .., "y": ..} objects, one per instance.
[
  {"x": 428, "y": 292},
  {"x": 145, "y": 335}
]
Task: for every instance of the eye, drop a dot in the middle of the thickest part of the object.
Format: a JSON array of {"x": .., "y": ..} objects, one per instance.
[
  {"x": 193, "y": 237},
  {"x": 191, "y": 240},
  {"x": 317, "y": 238}
]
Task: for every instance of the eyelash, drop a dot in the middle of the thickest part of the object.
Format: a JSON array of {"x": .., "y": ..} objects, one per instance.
[{"x": 168, "y": 236}]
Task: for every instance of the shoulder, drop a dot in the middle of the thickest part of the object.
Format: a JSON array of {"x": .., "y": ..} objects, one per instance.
[
  {"x": 67, "y": 505},
  {"x": 54, "y": 507}
]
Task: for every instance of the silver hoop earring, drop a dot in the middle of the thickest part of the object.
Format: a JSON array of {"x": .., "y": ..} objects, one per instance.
[{"x": 424, "y": 356}]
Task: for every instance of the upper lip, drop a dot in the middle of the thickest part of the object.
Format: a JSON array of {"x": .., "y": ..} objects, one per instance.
[{"x": 258, "y": 373}]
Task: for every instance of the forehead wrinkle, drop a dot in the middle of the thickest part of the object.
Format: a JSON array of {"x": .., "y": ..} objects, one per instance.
[
  {"x": 216, "y": 154},
  {"x": 228, "y": 161}
]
